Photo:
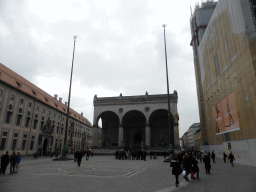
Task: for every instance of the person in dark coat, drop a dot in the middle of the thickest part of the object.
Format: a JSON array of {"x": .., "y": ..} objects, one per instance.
[
  {"x": 79, "y": 158},
  {"x": 231, "y": 158},
  {"x": 164, "y": 154},
  {"x": 224, "y": 157},
  {"x": 4, "y": 162},
  {"x": 13, "y": 160},
  {"x": 213, "y": 156},
  {"x": 175, "y": 164},
  {"x": 144, "y": 155},
  {"x": 75, "y": 156},
  {"x": 207, "y": 163},
  {"x": 187, "y": 166},
  {"x": 87, "y": 154},
  {"x": 195, "y": 168}
]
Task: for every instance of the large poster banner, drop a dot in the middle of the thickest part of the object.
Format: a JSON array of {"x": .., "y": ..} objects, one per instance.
[{"x": 225, "y": 115}]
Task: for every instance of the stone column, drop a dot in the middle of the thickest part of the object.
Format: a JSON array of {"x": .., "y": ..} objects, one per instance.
[
  {"x": 120, "y": 136},
  {"x": 148, "y": 135},
  {"x": 94, "y": 137}
]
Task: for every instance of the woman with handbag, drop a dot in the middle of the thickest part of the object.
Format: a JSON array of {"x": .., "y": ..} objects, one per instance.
[{"x": 175, "y": 164}]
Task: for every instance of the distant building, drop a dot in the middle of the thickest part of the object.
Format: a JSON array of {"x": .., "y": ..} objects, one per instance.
[
  {"x": 32, "y": 120},
  {"x": 198, "y": 139},
  {"x": 186, "y": 145},
  {"x": 224, "y": 45},
  {"x": 191, "y": 135}
]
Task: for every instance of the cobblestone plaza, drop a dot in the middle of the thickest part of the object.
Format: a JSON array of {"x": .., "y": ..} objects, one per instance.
[{"x": 104, "y": 173}]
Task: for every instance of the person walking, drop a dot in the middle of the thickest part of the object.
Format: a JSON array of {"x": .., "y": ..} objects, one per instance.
[
  {"x": 13, "y": 160},
  {"x": 79, "y": 158},
  {"x": 4, "y": 162},
  {"x": 87, "y": 155},
  {"x": 187, "y": 166},
  {"x": 195, "y": 168},
  {"x": 224, "y": 157},
  {"x": 231, "y": 158},
  {"x": 18, "y": 162},
  {"x": 213, "y": 156},
  {"x": 175, "y": 164},
  {"x": 207, "y": 163}
]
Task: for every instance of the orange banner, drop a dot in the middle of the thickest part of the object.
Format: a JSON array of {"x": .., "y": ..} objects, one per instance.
[{"x": 225, "y": 115}]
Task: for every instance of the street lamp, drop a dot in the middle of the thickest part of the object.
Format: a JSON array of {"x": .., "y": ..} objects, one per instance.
[
  {"x": 171, "y": 145},
  {"x": 65, "y": 149}
]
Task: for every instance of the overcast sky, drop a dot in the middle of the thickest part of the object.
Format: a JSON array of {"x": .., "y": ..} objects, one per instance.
[{"x": 119, "y": 49}]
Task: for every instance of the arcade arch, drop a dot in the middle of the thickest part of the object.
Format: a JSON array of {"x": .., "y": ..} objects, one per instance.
[
  {"x": 160, "y": 134},
  {"x": 134, "y": 122},
  {"x": 110, "y": 126}
]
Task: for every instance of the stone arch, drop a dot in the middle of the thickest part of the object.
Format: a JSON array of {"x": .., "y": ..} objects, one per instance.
[
  {"x": 160, "y": 134},
  {"x": 110, "y": 126},
  {"x": 134, "y": 123}
]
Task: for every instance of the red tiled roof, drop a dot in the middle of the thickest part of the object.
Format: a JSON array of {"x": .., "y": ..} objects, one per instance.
[{"x": 18, "y": 82}]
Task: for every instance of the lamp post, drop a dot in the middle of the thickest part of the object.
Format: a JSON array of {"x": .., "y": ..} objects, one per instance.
[
  {"x": 171, "y": 144},
  {"x": 65, "y": 149}
]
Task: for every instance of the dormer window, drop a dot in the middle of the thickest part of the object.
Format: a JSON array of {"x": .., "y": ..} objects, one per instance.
[
  {"x": 34, "y": 92},
  {"x": 55, "y": 105},
  {"x": 19, "y": 85},
  {"x": 64, "y": 109},
  {"x": 46, "y": 99}
]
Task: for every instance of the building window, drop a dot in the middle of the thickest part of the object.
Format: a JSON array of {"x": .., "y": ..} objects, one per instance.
[
  {"x": 253, "y": 10},
  {"x": 58, "y": 129},
  {"x": 21, "y": 101},
  {"x": 3, "y": 141},
  {"x": 37, "y": 108},
  {"x": 35, "y": 123},
  {"x": 32, "y": 145},
  {"x": 10, "y": 107},
  {"x": 11, "y": 97},
  {"x": 30, "y": 104},
  {"x": 46, "y": 99},
  {"x": 1, "y": 92},
  {"x": 14, "y": 144},
  {"x": 217, "y": 66},
  {"x": 27, "y": 121},
  {"x": 23, "y": 144},
  {"x": 18, "y": 120},
  {"x": 8, "y": 117},
  {"x": 20, "y": 110},
  {"x": 49, "y": 112},
  {"x": 28, "y": 113},
  {"x": 42, "y": 125},
  {"x": 34, "y": 92}
]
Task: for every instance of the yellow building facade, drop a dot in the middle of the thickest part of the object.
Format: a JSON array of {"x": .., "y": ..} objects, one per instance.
[{"x": 225, "y": 62}]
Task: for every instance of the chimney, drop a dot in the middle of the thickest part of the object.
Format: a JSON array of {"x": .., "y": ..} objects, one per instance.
[
  {"x": 82, "y": 114},
  {"x": 66, "y": 103},
  {"x": 56, "y": 96},
  {"x": 60, "y": 99}
]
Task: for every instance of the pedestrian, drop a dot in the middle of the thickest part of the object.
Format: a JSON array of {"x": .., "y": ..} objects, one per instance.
[
  {"x": 187, "y": 166},
  {"x": 75, "y": 156},
  {"x": 144, "y": 155},
  {"x": 18, "y": 162},
  {"x": 224, "y": 157},
  {"x": 151, "y": 154},
  {"x": 213, "y": 156},
  {"x": 195, "y": 168},
  {"x": 13, "y": 160},
  {"x": 4, "y": 162},
  {"x": 231, "y": 158},
  {"x": 87, "y": 155},
  {"x": 207, "y": 163},
  {"x": 79, "y": 158},
  {"x": 175, "y": 164},
  {"x": 164, "y": 154}
]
